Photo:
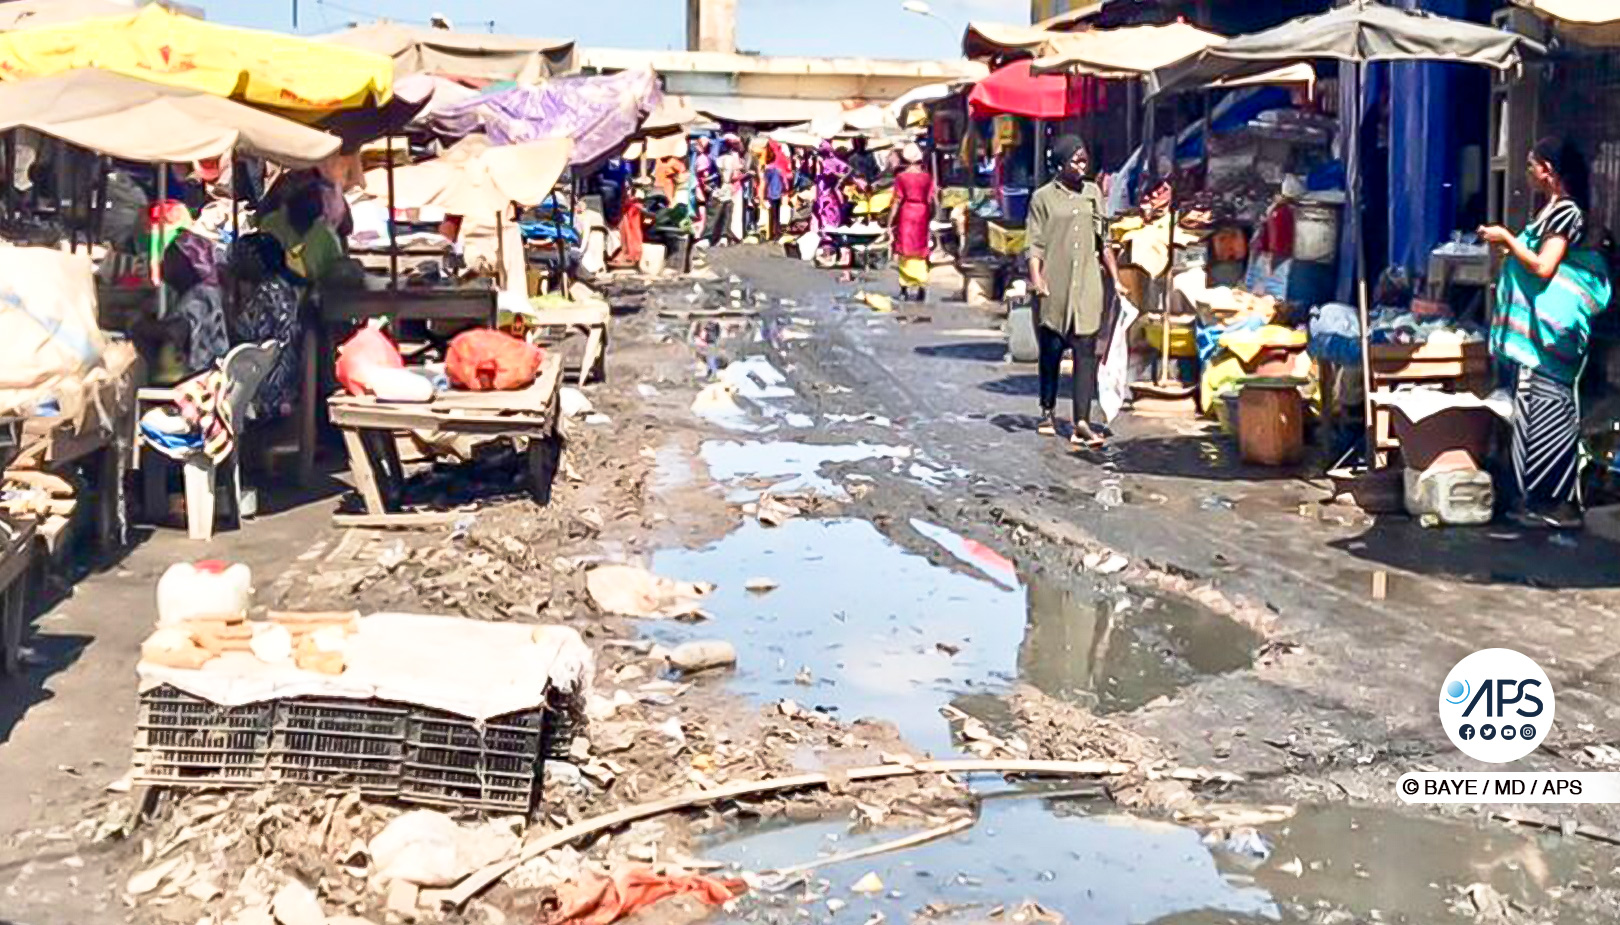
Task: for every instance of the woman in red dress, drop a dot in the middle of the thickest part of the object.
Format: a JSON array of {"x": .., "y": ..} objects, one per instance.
[{"x": 909, "y": 219}]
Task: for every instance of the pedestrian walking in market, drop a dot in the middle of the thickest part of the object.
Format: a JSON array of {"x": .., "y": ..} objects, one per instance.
[
  {"x": 1553, "y": 281},
  {"x": 1073, "y": 275},
  {"x": 909, "y": 219}
]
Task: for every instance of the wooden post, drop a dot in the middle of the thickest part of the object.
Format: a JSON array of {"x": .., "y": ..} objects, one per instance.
[
  {"x": 1374, "y": 458},
  {"x": 393, "y": 235}
]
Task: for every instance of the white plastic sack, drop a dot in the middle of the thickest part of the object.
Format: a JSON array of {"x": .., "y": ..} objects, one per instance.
[
  {"x": 429, "y": 849},
  {"x": 1114, "y": 375},
  {"x": 48, "y": 325},
  {"x": 628, "y": 591}
]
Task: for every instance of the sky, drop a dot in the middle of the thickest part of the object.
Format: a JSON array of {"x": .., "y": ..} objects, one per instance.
[{"x": 866, "y": 28}]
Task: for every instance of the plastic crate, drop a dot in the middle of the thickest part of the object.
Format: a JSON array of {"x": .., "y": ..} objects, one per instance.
[
  {"x": 185, "y": 740},
  {"x": 339, "y": 743},
  {"x": 493, "y": 765},
  {"x": 391, "y": 750}
]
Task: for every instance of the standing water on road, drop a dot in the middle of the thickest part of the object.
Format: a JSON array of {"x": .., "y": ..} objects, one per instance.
[{"x": 865, "y": 627}]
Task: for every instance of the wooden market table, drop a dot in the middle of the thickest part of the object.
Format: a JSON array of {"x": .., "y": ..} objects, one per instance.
[
  {"x": 369, "y": 429},
  {"x": 474, "y": 304},
  {"x": 100, "y": 431},
  {"x": 1451, "y": 367},
  {"x": 16, "y": 561},
  {"x": 554, "y": 323}
]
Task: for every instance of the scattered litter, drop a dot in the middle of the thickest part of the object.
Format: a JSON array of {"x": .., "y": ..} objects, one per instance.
[
  {"x": 1109, "y": 496},
  {"x": 1105, "y": 563},
  {"x": 601, "y": 900},
  {"x": 151, "y": 878},
  {"x": 1245, "y": 843},
  {"x": 876, "y": 301},
  {"x": 628, "y": 591},
  {"x": 573, "y": 403},
  {"x": 703, "y": 655},
  {"x": 871, "y": 884},
  {"x": 295, "y": 904},
  {"x": 773, "y": 512},
  {"x": 428, "y": 848},
  {"x": 1295, "y": 868}
]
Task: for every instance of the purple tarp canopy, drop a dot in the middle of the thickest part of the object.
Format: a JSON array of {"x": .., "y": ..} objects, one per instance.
[{"x": 598, "y": 113}]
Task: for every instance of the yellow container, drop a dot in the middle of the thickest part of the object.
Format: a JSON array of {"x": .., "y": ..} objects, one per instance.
[
  {"x": 1183, "y": 341},
  {"x": 1008, "y": 241}
]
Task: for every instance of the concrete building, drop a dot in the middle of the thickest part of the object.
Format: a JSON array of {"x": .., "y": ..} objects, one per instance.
[
  {"x": 711, "y": 25},
  {"x": 765, "y": 88}
]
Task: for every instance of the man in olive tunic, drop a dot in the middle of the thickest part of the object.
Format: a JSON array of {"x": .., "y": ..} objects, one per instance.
[{"x": 1066, "y": 263}]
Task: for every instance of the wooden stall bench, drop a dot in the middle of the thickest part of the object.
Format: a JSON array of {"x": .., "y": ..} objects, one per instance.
[
  {"x": 553, "y": 325},
  {"x": 16, "y": 561},
  {"x": 370, "y": 428}
]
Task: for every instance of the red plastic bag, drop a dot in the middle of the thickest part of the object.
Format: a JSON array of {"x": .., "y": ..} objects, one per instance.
[
  {"x": 486, "y": 360},
  {"x": 599, "y": 900},
  {"x": 368, "y": 349}
]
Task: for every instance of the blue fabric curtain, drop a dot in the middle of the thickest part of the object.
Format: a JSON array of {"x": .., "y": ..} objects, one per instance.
[{"x": 1423, "y": 152}]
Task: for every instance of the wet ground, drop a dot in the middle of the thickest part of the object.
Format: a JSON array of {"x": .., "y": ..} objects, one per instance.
[
  {"x": 1078, "y": 857},
  {"x": 902, "y": 614},
  {"x": 945, "y": 564}
]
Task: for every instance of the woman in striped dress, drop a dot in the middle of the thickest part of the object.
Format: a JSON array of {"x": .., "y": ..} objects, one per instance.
[{"x": 1552, "y": 283}]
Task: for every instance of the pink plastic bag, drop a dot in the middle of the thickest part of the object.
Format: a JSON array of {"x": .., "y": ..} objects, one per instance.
[{"x": 369, "y": 349}]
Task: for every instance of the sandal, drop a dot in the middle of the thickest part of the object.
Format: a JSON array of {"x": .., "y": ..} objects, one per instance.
[
  {"x": 1086, "y": 438},
  {"x": 1047, "y": 426}
]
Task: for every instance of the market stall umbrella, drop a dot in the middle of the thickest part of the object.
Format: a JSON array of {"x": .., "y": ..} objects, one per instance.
[
  {"x": 155, "y": 44},
  {"x": 1013, "y": 90},
  {"x": 479, "y": 180},
  {"x": 412, "y": 98},
  {"x": 30, "y": 14},
  {"x": 1000, "y": 40},
  {"x": 1363, "y": 32},
  {"x": 460, "y": 54},
  {"x": 1592, "y": 22},
  {"x": 598, "y": 113},
  {"x": 1125, "y": 52},
  {"x": 137, "y": 120}
]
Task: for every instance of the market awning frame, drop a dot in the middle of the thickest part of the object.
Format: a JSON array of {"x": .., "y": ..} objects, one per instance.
[
  {"x": 1589, "y": 22},
  {"x": 137, "y": 120}
]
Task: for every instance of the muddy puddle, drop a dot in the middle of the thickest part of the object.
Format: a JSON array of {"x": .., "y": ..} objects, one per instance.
[
  {"x": 863, "y": 626},
  {"x": 1079, "y": 858}
]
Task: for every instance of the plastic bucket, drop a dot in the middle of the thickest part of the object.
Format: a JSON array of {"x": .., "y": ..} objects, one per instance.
[{"x": 678, "y": 252}]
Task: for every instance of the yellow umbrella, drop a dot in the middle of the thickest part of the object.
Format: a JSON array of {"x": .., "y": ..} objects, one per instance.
[{"x": 155, "y": 44}]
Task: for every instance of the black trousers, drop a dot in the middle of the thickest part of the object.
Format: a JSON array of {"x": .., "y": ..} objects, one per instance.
[
  {"x": 719, "y": 220},
  {"x": 1084, "y": 381}
]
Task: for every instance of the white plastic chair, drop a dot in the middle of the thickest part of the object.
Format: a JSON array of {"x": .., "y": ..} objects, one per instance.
[{"x": 245, "y": 368}]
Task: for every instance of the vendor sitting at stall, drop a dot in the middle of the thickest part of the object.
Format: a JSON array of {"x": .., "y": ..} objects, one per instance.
[
  {"x": 191, "y": 336},
  {"x": 269, "y": 311},
  {"x": 313, "y": 249},
  {"x": 1066, "y": 261},
  {"x": 1551, "y": 285}
]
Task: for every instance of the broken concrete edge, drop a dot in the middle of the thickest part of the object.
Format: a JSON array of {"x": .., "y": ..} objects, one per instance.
[
  {"x": 1155, "y": 576},
  {"x": 457, "y": 896}
]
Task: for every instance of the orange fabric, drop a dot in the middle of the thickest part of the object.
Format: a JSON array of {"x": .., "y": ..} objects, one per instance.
[
  {"x": 667, "y": 177},
  {"x": 598, "y": 900},
  {"x": 484, "y": 360},
  {"x": 630, "y": 237}
]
